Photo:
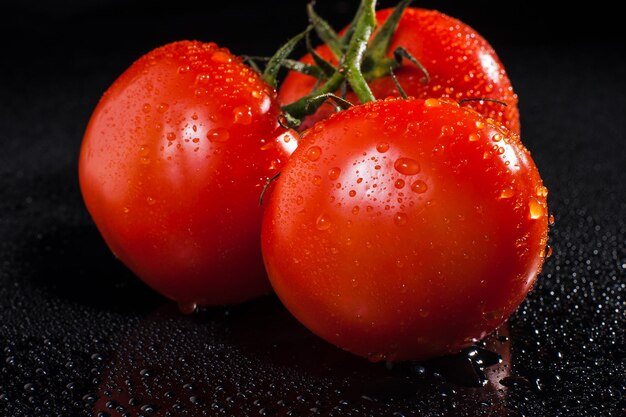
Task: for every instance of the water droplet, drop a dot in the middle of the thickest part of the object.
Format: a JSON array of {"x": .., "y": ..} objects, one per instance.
[
  {"x": 541, "y": 191},
  {"x": 371, "y": 115},
  {"x": 548, "y": 251},
  {"x": 382, "y": 147},
  {"x": 473, "y": 137},
  {"x": 355, "y": 210},
  {"x": 162, "y": 108},
  {"x": 400, "y": 219},
  {"x": 551, "y": 220},
  {"x": 218, "y": 135},
  {"x": 447, "y": 130},
  {"x": 497, "y": 137},
  {"x": 419, "y": 187},
  {"x": 313, "y": 153},
  {"x": 507, "y": 193},
  {"x": 243, "y": 115},
  {"x": 352, "y": 193},
  {"x": 407, "y": 166},
  {"x": 399, "y": 183},
  {"x": 126, "y": 210},
  {"x": 480, "y": 124},
  {"x": 322, "y": 222},
  {"x": 221, "y": 57},
  {"x": 536, "y": 209},
  {"x": 334, "y": 173},
  {"x": 151, "y": 201},
  {"x": 299, "y": 200},
  {"x": 187, "y": 307},
  {"x": 432, "y": 102},
  {"x": 317, "y": 180}
]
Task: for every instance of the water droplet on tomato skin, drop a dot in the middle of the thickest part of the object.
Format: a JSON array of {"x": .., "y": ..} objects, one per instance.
[
  {"x": 323, "y": 222},
  {"x": 551, "y": 220},
  {"x": 187, "y": 307},
  {"x": 507, "y": 193},
  {"x": 536, "y": 209},
  {"x": 399, "y": 184},
  {"x": 400, "y": 219},
  {"x": 313, "y": 153},
  {"x": 432, "y": 102},
  {"x": 242, "y": 115},
  {"x": 407, "y": 166},
  {"x": 218, "y": 135},
  {"x": 473, "y": 137},
  {"x": 334, "y": 173},
  {"x": 548, "y": 251},
  {"x": 382, "y": 147},
  {"x": 419, "y": 187}
]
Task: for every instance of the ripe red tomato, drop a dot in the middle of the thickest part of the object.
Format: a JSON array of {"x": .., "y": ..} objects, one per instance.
[
  {"x": 171, "y": 168},
  {"x": 461, "y": 64},
  {"x": 405, "y": 229}
]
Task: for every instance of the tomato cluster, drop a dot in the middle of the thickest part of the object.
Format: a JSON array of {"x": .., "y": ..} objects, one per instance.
[{"x": 400, "y": 228}]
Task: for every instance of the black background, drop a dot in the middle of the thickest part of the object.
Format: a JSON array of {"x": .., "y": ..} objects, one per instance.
[{"x": 80, "y": 335}]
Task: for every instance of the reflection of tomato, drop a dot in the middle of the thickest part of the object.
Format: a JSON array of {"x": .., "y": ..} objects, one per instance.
[
  {"x": 460, "y": 62},
  {"x": 171, "y": 168},
  {"x": 405, "y": 229}
]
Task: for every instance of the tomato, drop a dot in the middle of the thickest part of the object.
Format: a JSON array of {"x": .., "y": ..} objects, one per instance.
[
  {"x": 461, "y": 63},
  {"x": 171, "y": 168},
  {"x": 405, "y": 229}
]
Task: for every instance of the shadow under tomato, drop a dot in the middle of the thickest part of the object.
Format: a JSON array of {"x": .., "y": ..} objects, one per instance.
[{"x": 256, "y": 359}]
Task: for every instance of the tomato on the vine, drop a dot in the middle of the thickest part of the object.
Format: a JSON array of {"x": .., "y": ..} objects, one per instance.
[
  {"x": 405, "y": 229},
  {"x": 171, "y": 168},
  {"x": 461, "y": 65}
]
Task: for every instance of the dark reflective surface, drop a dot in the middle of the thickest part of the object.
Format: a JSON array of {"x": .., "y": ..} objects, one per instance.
[
  {"x": 256, "y": 359},
  {"x": 81, "y": 336}
]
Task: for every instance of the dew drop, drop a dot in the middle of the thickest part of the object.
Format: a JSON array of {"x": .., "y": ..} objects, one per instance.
[
  {"x": 352, "y": 193},
  {"x": 334, "y": 173},
  {"x": 548, "y": 251},
  {"x": 382, "y": 147},
  {"x": 170, "y": 136},
  {"x": 480, "y": 124},
  {"x": 507, "y": 193},
  {"x": 221, "y": 57},
  {"x": 313, "y": 153},
  {"x": 400, "y": 219},
  {"x": 473, "y": 137},
  {"x": 407, "y": 166},
  {"x": 399, "y": 183},
  {"x": 187, "y": 307},
  {"x": 541, "y": 191},
  {"x": 551, "y": 220},
  {"x": 322, "y": 222},
  {"x": 146, "y": 108},
  {"x": 242, "y": 115},
  {"x": 536, "y": 208},
  {"x": 432, "y": 102},
  {"x": 355, "y": 210},
  {"x": 151, "y": 201},
  {"x": 497, "y": 137},
  {"x": 317, "y": 180},
  {"x": 218, "y": 135},
  {"x": 419, "y": 187}
]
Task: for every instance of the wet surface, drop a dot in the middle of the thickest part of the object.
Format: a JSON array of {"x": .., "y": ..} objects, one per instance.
[{"x": 81, "y": 336}]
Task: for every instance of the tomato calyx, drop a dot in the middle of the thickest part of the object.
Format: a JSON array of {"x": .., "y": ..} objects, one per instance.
[{"x": 361, "y": 58}]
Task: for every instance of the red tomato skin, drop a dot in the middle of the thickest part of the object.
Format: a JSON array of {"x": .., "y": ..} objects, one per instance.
[
  {"x": 405, "y": 229},
  {"x": 461, "y": 64},
  {"x": 171, "y": 168}
]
